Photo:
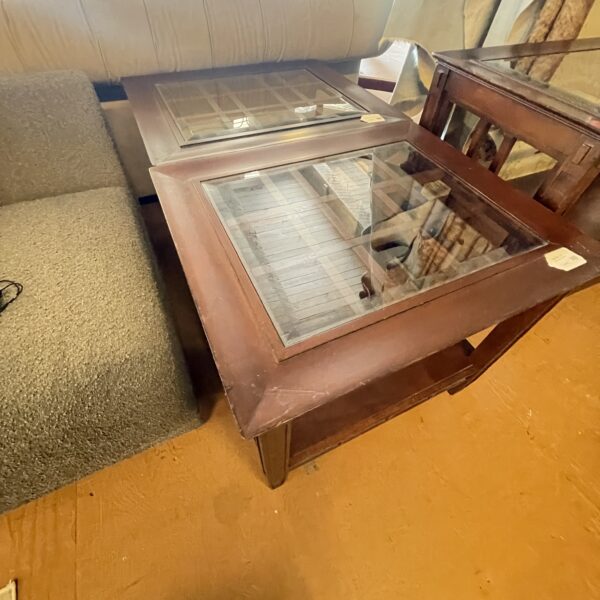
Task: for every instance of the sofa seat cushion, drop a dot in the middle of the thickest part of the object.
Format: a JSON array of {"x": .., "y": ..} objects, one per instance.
[{"x": 90, "y": 369}]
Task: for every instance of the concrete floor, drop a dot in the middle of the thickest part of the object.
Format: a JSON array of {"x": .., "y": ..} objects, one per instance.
[{"x": 492, "y": 493}]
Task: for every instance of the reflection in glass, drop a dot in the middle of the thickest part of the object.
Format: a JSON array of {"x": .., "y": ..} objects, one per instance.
[
  {"x": 572, "y": 76},
  {"x": 222, "y": 107},
  {"x": 331, "y": 240}
]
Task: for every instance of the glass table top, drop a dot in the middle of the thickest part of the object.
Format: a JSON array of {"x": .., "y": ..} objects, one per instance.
[
  {"x": 231, "y": 106},
  {"x": 328, "y": 241},
  {"x": 571, "y": 76}
]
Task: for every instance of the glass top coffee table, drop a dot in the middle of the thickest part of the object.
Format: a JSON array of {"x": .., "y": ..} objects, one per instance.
[
  {"x": 337, "y": 279},
  {"x": 196, "y": 113},
  {"x": 329, "y": 241}
]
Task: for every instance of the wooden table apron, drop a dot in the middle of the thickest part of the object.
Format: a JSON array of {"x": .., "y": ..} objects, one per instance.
[{"x": 282, "y": 396}]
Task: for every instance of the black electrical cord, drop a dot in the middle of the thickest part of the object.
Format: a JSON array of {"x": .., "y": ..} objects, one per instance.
[{"x": 9, "y": 292}]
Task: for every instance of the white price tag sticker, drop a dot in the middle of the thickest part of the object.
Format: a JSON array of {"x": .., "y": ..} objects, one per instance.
[
  {"x": 564, "y": 259},
  {"x": 372, "y": 118}
]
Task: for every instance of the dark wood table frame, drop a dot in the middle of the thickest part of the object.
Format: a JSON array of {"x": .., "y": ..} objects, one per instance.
[
  {"x": 300, "y": 401},
  {"x": 524, "y": 111},
  {"x": 162, "y": 140}
]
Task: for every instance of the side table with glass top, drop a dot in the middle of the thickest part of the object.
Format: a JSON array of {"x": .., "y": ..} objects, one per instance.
[
  {"x": 339, "y": 276},
  {"x": 203, "y": 113}
]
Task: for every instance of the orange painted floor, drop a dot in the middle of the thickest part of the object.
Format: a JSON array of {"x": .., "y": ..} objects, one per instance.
[{"x": 492, "y": 493}]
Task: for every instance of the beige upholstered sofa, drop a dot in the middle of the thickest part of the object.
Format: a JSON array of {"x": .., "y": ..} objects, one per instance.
[{"x": 110, "y": 39}]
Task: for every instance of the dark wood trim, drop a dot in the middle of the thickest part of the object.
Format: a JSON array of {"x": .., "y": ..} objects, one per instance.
[
  {"x": 477, "y": 137},
  {"x": 519, "y": 50},
  {"x": 513, "y": 115},
  {"x": 508, "y": 141},
  {"x": 438, "y": 107},
  {"x": 520, "y": 118},
  {"x": 476, "y": 63}
]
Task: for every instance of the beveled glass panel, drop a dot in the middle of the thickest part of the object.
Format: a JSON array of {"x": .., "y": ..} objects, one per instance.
[
  {"x": 571, "y": 76},
  {"x": 328, "y": 241},
  {"x": 230, "y": 106}
]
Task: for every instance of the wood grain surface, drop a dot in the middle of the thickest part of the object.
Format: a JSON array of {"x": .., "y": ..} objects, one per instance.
[{"x": 493, "y": 492}]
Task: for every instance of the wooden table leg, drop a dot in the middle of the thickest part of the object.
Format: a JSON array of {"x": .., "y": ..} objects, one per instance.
[
  {"x": 502, "y": 338},
  {"x": 274, "y": 450},
  {"x": 437, "y": 107}
]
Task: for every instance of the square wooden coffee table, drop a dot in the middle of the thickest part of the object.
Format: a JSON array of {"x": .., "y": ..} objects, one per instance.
[
  {"x": 202, "y": 113},
  {"x": 338, "y": 277}
]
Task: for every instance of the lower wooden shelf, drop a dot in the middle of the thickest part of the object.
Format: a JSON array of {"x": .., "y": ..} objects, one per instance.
[{"x": 337, "y": 422}]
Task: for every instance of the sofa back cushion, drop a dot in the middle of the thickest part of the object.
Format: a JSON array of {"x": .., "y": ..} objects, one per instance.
[
  {"x": 109, "y": 39},
  {"x": 53, "y": 139}
]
